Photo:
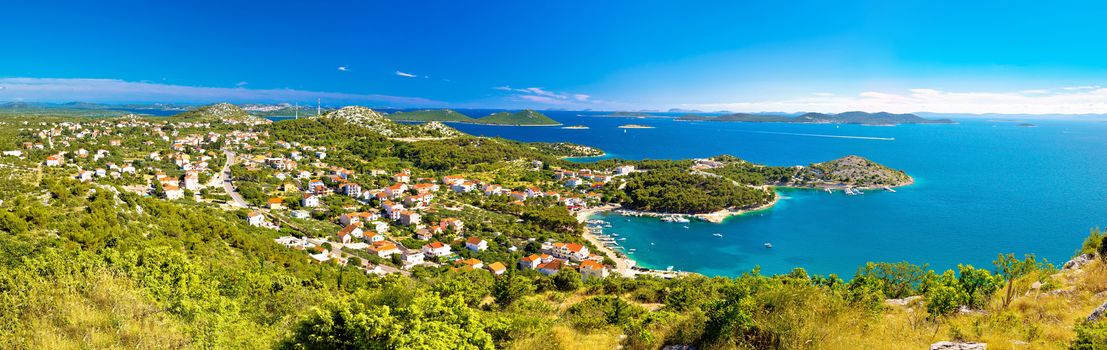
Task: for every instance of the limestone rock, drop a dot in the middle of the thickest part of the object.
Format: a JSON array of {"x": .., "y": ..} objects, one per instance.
[{"x": 1077, "y": 262}]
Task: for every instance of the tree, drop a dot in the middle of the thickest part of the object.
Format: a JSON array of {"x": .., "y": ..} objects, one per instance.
[
  {"x": 978, "y": 284},
  {"x": 567, "y": 280},
  {"x": 944, "y": 296},
  {"x": 1012, "y": 269},
  {"x": 511, "y": 287}
]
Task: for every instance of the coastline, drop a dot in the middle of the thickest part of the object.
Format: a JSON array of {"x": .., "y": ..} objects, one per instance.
[{"x": 623, "y": 265}]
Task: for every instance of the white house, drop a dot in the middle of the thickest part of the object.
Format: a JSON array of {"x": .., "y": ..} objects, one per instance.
[
  {"x": 476, "y": 244},
  {"x": 310, "y": 200},
  {"x": 436, "y": 249}
]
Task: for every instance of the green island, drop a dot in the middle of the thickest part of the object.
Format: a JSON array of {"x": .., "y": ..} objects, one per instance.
[
  {"x": 214, "y": 228},
  {"x": 863, "y": 118},
  {"x": 428, "y": 115}
]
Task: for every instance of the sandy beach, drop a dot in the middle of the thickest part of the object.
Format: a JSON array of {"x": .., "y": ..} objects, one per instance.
[{"x": 622, "y": 265}]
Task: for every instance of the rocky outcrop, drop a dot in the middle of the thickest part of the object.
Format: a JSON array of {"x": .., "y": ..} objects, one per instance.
[
  {"x": 952, "y": 345},
  {"x": 1098, "y": 313},
  {"x": 1077, "y": 262},
  {"x": 902, "y": 301},
  {"x": 378, "y": 123}
]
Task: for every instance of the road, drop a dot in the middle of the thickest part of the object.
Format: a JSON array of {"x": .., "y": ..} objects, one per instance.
[{"x": 227, "y": 186}]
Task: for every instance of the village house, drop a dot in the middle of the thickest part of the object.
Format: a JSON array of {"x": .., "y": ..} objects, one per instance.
[
  {"x": 255, "y": 219},
  {"x": 436, "y": 249},
  {"x": 476, "y": 244},
  {"x": 590, "y": 269},
  {"x": 411, "y": 257},
  {"x": 497, "y": 268},
  {"x": 55, "y": 160},
  {"x": 401, "y": 177},
  {"x": 350, "y": 218},
  {"x": 172, "y": 191},
  {"x": 310, "y": 200},
  {"x": 276, "y": 203},
  {"x": 372, "y": 237},
  {"x": 472, "y": 263},
  {"x": 550, "y": 268},
  {"x": 396, "y": 190},
  {"x": 530, "y": 262},
  {"x": 424, "y": 234},
  {"x": 351, "y": 231},
  {"x": 384, "y": 249},
  {"x": 424, "y": 188},
  {"x": 571, "y": 251},
  {"x": 409, "y": 218},
  {"x": 454, "y": 224}
]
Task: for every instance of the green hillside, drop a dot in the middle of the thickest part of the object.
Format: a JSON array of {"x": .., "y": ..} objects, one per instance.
[
  {"x": 430, "y": 115},
  {"x": 523, "y": 117}
]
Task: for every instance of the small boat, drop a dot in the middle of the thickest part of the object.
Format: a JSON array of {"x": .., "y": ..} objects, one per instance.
[
  {"x": 622, "y": 239},
  {"x": 768, "y": 245},
  {"x": 670, "y": 268},
  {"x": 614, "y": 235},
  {"x": 668, "y": 219},
  {"x": 681, "y": 219},
  {"x": 889, "y": 189},
  {"x": 828, "y": 190},
  {"x": 651, "y": 243},
  {"x": 631, "y": 250},
  {"x": 685, "y": 226},
  {"x": 717, "y": 234}
]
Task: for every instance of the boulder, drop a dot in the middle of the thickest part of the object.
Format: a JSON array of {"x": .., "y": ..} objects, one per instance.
[
  {"x": 902, "y": 301},
  {"x": 1077, "y": 262},
  {"x": 1098, "y": 313},
  {"x": 956, "y": 345}
]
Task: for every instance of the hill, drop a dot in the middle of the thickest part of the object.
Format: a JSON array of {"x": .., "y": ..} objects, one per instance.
[
  {"x": 525, "y": 117},
  {"x": 859, "y": 172},
  {"x": 377, "y": 122},
  {"x": 428, "y": 115},
  {"x": 220, "y": 112},
  {"x": 864, "y": 118}
]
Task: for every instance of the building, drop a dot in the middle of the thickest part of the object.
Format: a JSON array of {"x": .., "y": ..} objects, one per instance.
[
  {"x": 550, "y": 268},
  {"x": 571, "y": 251},
  {"x": 409, "y": 218},
  {"x": 436, "y": 249},
  {"x": 276, "y": 203},
  {"x": 351, "y": 231},
  {"x": 384, "y": 249},
  {"x": 590, "y": 269},
  {"x": 255, "y": 219},
  {"x": 172, "y": 191},
  {"x": 530, "y": 262},
  {"x": 476, "y": 244},
  {"x": 310, "y": 201},
  {"x": 497, "y": 268}
]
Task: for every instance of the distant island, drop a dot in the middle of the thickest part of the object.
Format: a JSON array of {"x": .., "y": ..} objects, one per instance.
[
  {"x": 635, "y": 126},
  {"x": 524, "y": 117},
  {"x": 862, "y": 118},
  {"x": 431, "y": 115}
]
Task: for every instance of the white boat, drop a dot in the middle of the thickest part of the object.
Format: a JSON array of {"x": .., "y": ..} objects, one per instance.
[
  {"x": 828, "y": 190},
  {"x": 668, "y": 219},
  {"x": 685, "y": 226},
  {"x": 670, "y": 268},
  {"x": 622, "y": 239},
  {"x": 889, "y": 189},
  {"x": 768, "y": 245},
  {"x": 717, "y": 234},
  {"x": 681, "y": 219}
]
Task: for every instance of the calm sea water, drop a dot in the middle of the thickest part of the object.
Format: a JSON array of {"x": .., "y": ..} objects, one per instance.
[{"x": 982, "y": 188}]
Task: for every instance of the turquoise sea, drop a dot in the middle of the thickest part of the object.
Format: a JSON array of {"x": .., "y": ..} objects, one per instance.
[{"x": 982, "y": 188}]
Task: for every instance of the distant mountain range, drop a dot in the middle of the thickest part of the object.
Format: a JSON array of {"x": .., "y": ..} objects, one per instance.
[{"x": 864, "y": 118}]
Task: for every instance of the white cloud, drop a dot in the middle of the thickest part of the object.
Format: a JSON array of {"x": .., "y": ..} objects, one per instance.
[
  {"x": 241, "y": 84},
  {"x": 343, "y": 68},
  {"x": 1067, "y": 100},
  {"x": 406, "y": 75},
  {"x": 117, "y": 91},
  {"x": 541, "y": 95}
]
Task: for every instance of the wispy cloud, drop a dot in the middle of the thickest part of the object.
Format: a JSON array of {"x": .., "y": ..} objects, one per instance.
[
  {"x": 241, "y": 84},
  {"x": 343, "y": 68},
  {"x": 541, "y": 95},
  {"x": 113, "y": 90},
  {"x": 406, "y": 75},
  {"x": 1090, "y": 99}
]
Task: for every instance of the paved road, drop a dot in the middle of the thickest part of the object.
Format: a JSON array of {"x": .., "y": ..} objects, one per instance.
[{"x": 227, "y": 186}]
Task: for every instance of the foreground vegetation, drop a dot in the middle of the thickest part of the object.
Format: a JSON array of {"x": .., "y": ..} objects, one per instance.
[{"x": 95, "y": 265}]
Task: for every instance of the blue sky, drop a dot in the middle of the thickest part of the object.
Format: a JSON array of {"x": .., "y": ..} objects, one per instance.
[{"x": 901, "y": 56}]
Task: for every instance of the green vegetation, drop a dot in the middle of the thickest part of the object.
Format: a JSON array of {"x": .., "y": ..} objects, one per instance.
[
  {"x": 524, "y": 117},
  {"x": 100, "y": 264},
  {"x": 429, "y": 115},
  {"x": 677, "y": 191}
]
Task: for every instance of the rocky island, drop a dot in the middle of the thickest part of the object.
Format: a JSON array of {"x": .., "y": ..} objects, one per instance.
[{"x": 635, "y": 126}]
